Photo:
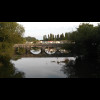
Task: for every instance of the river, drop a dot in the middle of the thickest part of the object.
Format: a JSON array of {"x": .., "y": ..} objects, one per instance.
[{"x": 42, "y": 67}]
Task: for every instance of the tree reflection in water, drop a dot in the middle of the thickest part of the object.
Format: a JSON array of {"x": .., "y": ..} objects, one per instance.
[
  {"x": 82, "y": 68},
  {"x": 68, "y": 68},
  {"x": 7, "y": 70}
]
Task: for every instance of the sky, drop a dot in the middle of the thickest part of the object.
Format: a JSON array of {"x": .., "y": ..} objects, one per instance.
[{"x": 38, "y": 29}]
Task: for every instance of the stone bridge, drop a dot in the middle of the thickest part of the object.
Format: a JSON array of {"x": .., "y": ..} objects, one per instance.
[
  {"x": 28, "y": 47},
  {"x": 43, "y": 46}
]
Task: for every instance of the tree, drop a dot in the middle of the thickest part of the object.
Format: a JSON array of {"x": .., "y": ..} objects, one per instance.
[
  {"x": 55, "y": 37},
  {"x": 62, "y": 37},
  {"x": 66, "y": 36},
  {"x": 30, "y": 39},
  {"x": 87, "y": 40},
  {"x": 20, "y": 51},
  {"x": 45, "y": 38},
  {"x": 58, "y": 37},
  {"x": 10, "y": 33},
  {"x": 48, "y": 37},
  {"x": 51, "y": 36},
  {"x": 87, "y": 47}
]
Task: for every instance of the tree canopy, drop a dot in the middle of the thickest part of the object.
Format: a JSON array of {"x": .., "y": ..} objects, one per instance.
[
  {"x": 10, "y": 33},
  {"x": 87, "y": 47},
  {"x": 87, "y": 40},
  {"x": 30, "y": 39}
]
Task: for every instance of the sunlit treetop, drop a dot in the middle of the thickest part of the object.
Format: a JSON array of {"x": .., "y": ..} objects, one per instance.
[{"x": 11, "y": 32}]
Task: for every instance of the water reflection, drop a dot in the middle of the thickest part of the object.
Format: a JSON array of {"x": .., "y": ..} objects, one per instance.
[
  {"x": 7, "y": 70},
  {"x": 68, "y": 69},
  {"x": 63, "y": 51},
  {"x": 35, "y": 51},
  {"x": 82, "y": 68},
  {"x": 50, "y": 51},
  {"x": 41, "y": 67},
  {"x": 62, "y": 67}
]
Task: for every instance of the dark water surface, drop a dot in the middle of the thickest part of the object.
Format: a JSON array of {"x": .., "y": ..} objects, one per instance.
[{"x": 49, "y": 67}]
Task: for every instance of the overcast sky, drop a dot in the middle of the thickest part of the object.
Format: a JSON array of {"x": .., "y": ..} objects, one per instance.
[{"x": 38, "y": 29}]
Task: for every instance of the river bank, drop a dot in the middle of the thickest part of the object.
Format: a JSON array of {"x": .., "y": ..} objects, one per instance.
[{"x": 43, "y": 55}]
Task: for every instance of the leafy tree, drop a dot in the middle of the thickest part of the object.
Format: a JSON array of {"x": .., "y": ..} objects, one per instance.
[
  {"x": 51, "y": 36},
  {"x": 87, "y": 40},
  {"x": 62, "y": 37},
  {"x": 55, "y": 37},
  {"x": 58, "y": 37},
  {"x": 45, "y": 38},
  {"x": 30, "y": 39},
  {"x": 20, "y": 51},
  {"x": 87, "y": 48},
  {"x": 10, "y": 33},
  {"x": 67, "y": 36},
  {"x": 48, "y": 37}
]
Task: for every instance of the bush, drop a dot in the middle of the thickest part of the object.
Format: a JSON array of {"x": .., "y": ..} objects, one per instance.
[{"x": 20, "y": 51}]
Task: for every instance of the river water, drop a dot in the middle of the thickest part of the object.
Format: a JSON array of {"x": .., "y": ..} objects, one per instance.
[{"x": 41, "y": 67}]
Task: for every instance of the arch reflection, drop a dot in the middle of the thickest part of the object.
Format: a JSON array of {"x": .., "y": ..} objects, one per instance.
[{"x": 35, "y": 50}]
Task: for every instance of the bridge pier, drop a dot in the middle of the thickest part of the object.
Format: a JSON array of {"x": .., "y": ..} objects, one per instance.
[{"x": 43, "y": 51}]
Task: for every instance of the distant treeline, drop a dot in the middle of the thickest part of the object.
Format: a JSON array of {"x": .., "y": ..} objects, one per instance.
[
  {"x": 52, "y": 37},
  {"x": 30, "y": 39}
]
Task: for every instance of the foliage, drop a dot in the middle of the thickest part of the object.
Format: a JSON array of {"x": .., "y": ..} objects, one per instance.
[
  {"x": 87, "y": 40},
  {"x": 66, "y": 36},
  {"x": 30, "y": 39},
  {"x": 10, "y": 33},
  {"x": 62, "y": 37},
  {"x": 16, "y": 57},
  {"x": 58, "y": 37},
  {"x": 20, "y": 51},
  {"x": 53, "y": 37},
  {"x": 45, "y": 38},
  {"x": 87, "y": 49},
  {"x": 82, "y": 68},
  {"x": 34, "y": 48}
]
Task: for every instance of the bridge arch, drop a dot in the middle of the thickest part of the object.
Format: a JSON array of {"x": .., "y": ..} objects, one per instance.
[{"x": 29, "y": 47}]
